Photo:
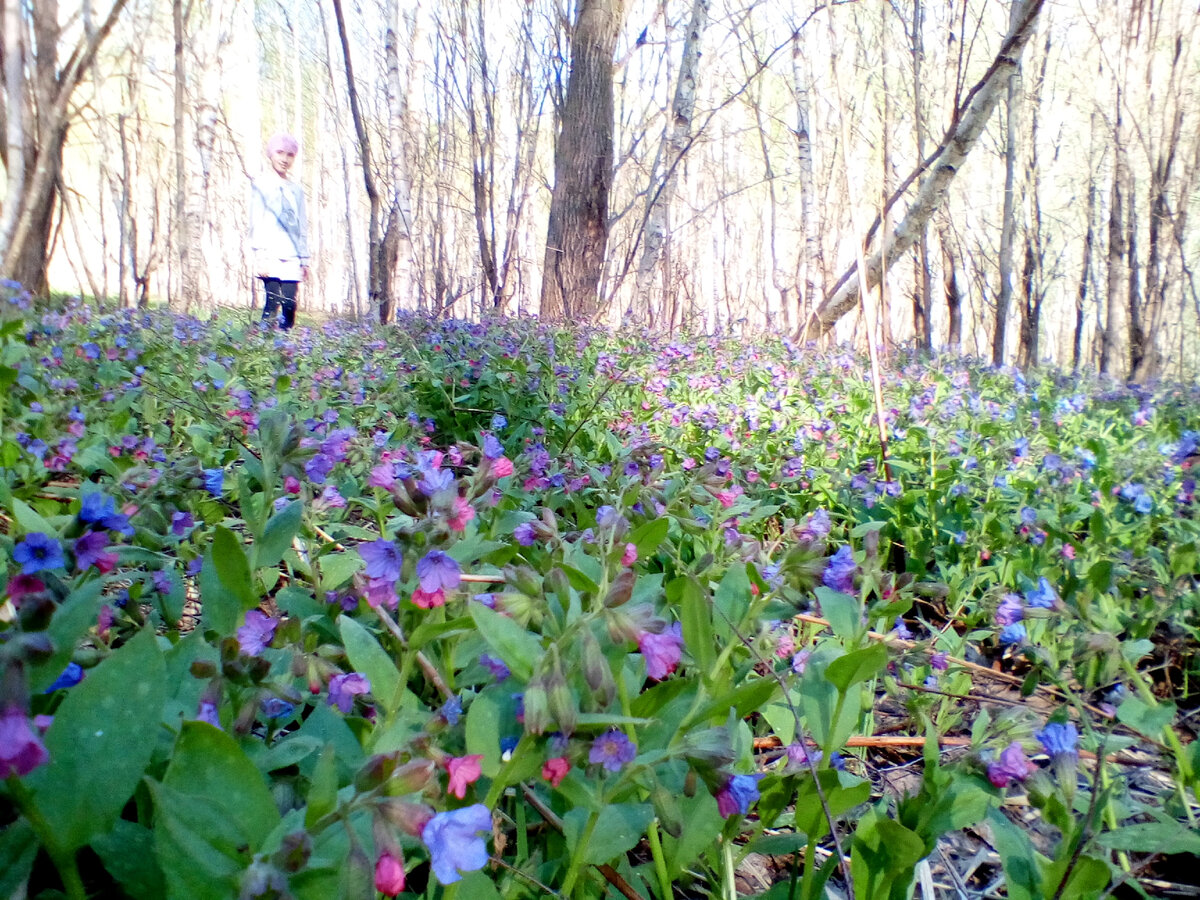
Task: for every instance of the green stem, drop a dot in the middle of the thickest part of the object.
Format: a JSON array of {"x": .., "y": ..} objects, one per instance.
[
  {"x": 660, "y": 861},
  {"x": 64, "y": 860},
  {"x": 810, "y": 870},
  {"x": 577, "y": 856}
]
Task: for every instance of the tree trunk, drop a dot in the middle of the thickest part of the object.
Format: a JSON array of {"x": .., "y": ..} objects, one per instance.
[
  {"x": 577, "y": 234},
  {"x": 675, "y": 144},
  {"x": 398, "y": 234},
  {"x": 1008, "y": 226},
  {"x": 971, "y": 117},
  {"x": 1081, "y": 295},
  {"x": 953, "y": 294},
  {"x": 1114, "y": 349},
  {"x": 26, "y": 244},
  {"x": 185, "y": 258},
  {"x": 16, "y": 144},
  {"x": 923, "y": 292},
  {"x": 378, "y": 280},
  {"x": 808, "y": 264}
]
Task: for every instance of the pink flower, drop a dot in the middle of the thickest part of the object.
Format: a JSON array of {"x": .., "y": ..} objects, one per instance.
[
  {"x": 21, "y": 750},
  {"x": 1068, "y": 551},
  {"x": 502, "y": 467},
  {"x": 464, "y": 512},
  {"x": 630, "y": 555},
  {"x": 661, "y": 651},
  {"x": 381, "y": 592},
  {"x": 1012, "y": 765},
  {"x": 463, "y": 770},
  {"x": 389, "y": 874},
  {"x": 291, "y": 484},
  {"x": 428, "y": 600},
  {"x": 555, "y": 770}
]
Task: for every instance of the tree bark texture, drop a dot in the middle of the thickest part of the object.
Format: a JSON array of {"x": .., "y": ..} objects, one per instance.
[
  {"x": 1008, "y": 221},
  {"x": 577, "y": 233},
  {"x": 970, "y": 119}
]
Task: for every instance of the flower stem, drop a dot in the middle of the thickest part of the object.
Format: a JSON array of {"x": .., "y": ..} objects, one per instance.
[
  {"x": 64, "y": 860},
  {"x": 660, "y": 861},
  {"x": 577, "y": 856}
]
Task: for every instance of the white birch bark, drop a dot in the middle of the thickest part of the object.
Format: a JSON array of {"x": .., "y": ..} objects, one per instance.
[
  {"x": 677, "y": 139},
  {"x": 14, "y": 130},
  {"x": 932, "y": 192},
  {"x": 807, "y": 270}
]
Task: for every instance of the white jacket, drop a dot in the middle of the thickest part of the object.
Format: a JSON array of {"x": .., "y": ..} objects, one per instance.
[{"x": 278, "y": 227}]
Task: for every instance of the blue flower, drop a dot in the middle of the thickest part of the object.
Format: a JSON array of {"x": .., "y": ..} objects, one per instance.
[
  {"x": 499, "y": 422},
  {"x": 37, "y": 552},
  {"x": 451, "y": 711},
  {"x": 383, "y": 559},
  {"x": 736, "y": 795},
  {"x": 612, "y": 750},
  {"x": 276, "y": 708},
  {"x": 437, "y": 571},
  {"x": 214, "y": 481},
  {"x": 1043, "y": 596},
  {"x": 71, "y": 676},
  {"x": 1013, "y": 634},
  {"x": 1059, "y": 739},
  {"x": 455, "y": 841}
]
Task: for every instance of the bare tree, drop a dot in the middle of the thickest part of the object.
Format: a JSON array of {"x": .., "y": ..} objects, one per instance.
[
  {"x": 46, "y": 88},
  {"x": 577, "y": 234},
  {"x": 939, "y": 170},
  {"x": 1008, "y": 226}
]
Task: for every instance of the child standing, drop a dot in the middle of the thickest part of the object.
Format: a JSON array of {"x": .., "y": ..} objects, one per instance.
[{"x": 279, "y": 232}]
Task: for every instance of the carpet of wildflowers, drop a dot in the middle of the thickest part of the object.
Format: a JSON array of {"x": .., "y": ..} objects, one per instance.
[{"x": 502, "y": 610}]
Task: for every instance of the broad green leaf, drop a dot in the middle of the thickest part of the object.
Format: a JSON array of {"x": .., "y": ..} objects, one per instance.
[
  {"x": 229, "y": 558},
  {"x": 1017, "y": 856},
  {"x": 695, "y": 615},
  {"x": 30, "y": 520},
  {"x": 618, "y": 829},
  {"x": 368, "y": 657},
  {"x": 857, "y": 666},
  {"x": 1153, "y": 837},
  {"x": 1140, "y": 716},
  {"x": 519, "y": 649},
  {"x": 841, "y": 797},
  {"x": 220, "y": 607},
  {"x": 18, "y": 847},
  {"x": 70, "y": 622},
  {"x": 647, "y": 536},
  {"x": 484, "y": 719},
  {"x": 336, "y": 568},
  {"x": 843, "y": 612},
  {"x": 98, "y": 743},
  {"x": 278, "y": 535},
  {"x": 213, "y": 813},
  {"x": 701, "y": 825},
  {"x": 322, "y": 791},
  {"x": 882, "y": 859},
  {"x": 128, "y": 853},
  {"x": 731, "y": 600}
]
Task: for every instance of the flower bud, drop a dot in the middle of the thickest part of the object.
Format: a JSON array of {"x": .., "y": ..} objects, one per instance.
[
  {"x": 556, "y": 582},
  {"x": 375, "y": 771},
  {"x": 621, "y": 590},
  {"x": 596, "y": 670},
  {"x": 294, "y": 852},
  {"x": 409, "y": 817},
  {"x": 537, "y": 707},
  {"x": 412, "y": 777},
  {"x": 524, "y": 579},
  {"x": 35, "y": 611},
  {"x": 559, "y": 699},
  {"x": 203, "y": 668}
]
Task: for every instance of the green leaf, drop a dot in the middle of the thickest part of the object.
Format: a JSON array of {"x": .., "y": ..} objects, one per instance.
[
  {"x": 647, "y": 536},
  {"x": 867, "y": 527},
  {"x": 220, "y": 607},
  {"x": 229, "y": 558},
  {"x": 98, "y": 743},
  {"x": 213, "y": 813},
  {"x": 70, "y": 622},
  {"x": 731, "y": 601},
  {"x": 618, "y": 829},
  {"x": 1017, "y": 857},
  {"x": 278, "y": 535},
  {"x": 857, "y": 666},
  {"x": 1153, "y": 837},
  {"x": 696, "y": 617},
  {"x": 1150, "y": 720},
  {"x": 30, "y": 520},
  {"x": 128, "y": 853},
  {"x": 368, "y": 657},
  {"x": 883, "y": 857},
  {"x": 322, "y": 791},
  {"x": 18, "y": 847},
  {"x": 810, "y": 816},
  {"x": 336, "y": 568},
  {"x": 482, "y": 728},
  {"x": 843, "y": 612},
  {"x": 744, "y": 699},
  {"x": 519, "y": 649}
]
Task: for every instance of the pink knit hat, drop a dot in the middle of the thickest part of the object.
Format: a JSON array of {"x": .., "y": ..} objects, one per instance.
[{"x": 281, "y": 140}]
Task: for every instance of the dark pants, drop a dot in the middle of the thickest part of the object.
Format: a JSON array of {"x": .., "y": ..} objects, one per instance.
[{"x": 280, "y": 294}]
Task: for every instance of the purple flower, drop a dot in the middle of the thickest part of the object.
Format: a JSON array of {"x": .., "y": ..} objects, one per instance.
[
  {"x": 839, "y": 574},
  {"x": 318, "y": 467},
  {"x": 37, "y": 552},
  {"x": 451, "y": 711},
  {"x": 736, "y": 794},
  {"x": 437, "y": 570},
  {"x": 497, "y": 667},
  {"x": 214, "y": 481},
  {"x": 181, "y": 523},
  {"x": 612, "y": 750},
  {"x": 455, "y": 841},
  {"x": 800, "y": 756},
  {"x": 1010, "y": 610},
  {"x": 492, "y": 448},
  {"x": 21, "y": 750},
  {"x": 207, "y": 712},
  {"x": 525, "y": 534},
  {"x": 382, "y": 476},
  {"x": 277, "y": 708},
  {"x": 89, "y": 551},
  {"x": 1059, "y": 739},
  {"x": 332, "y": 498},
  {"x": 1043, "y": 596},
  {"x": 344, "y": 688},
  {"x": 383, "y": 559},
  {"x": 435, "y": 480},
  {"x": 257, "y": 633},
  {"x": 1011, "y": 766},
  {"x": 939, "y": 661},
  {"x": 661, "y": 651}
]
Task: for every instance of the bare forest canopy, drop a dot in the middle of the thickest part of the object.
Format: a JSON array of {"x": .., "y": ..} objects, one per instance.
[{"x": 1023, "y": 172}]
